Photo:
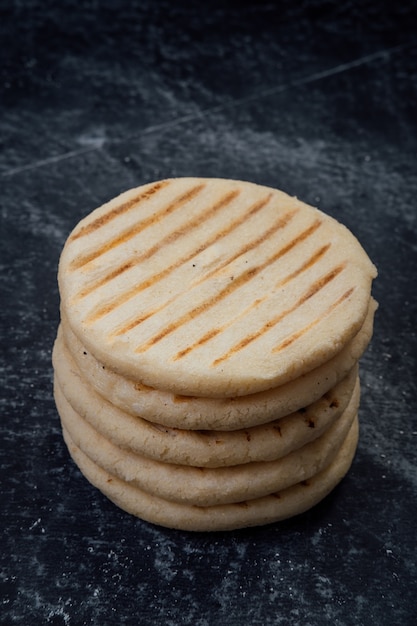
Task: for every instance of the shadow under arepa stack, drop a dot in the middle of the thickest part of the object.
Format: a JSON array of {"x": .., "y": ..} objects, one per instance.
[{"x": 206, "y": 364}]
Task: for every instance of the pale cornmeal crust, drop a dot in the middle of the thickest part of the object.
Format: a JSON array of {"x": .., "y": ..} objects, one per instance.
[
  {"x": 221, "y": 414},
  {"x": 212, "y": 287},
  {"x": 204, "y": 486},
  {"x": 260, "y": 511},
  {"x": 198, "y": 447}
]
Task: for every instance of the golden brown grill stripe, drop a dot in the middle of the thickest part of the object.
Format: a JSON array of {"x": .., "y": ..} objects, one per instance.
[
  {"x": 287, "y": 342},
  {"x": 320, "y": 283},
  {"x": 216, "y": 331},
  {"x": 232, "y": 286},
  {"x": 197, "y": 344},
  {"x": 132, "y": 231},
  {"x": 118, "y": 210},
  {"x": 199, "y": 219},
  {"x": 279, "y": 223},
  {"x": 311, "y": 291},
  {"x": 149, "y": 282},
  {"x": 314, "y": 258}
]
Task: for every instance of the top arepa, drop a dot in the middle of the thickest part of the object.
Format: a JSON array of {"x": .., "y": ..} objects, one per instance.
[{"x": 213, "y": 287}]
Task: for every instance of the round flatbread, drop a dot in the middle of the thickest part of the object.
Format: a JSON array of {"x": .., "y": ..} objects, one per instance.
[
  {"x": 198, "y": 447},
  {"x": 213, "y": 287},
  {"x": 260, "y": 511},
  {"x": 185, "y": 412},
  {"x": 203, "y": 486}
]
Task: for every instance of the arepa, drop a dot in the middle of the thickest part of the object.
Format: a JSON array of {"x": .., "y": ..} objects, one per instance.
[
  {"x": 205, "y": 448},
  {"x": 207, "y": 486},
  {"x": 212, "y": 287},
  {"x": 206, "y": 364},
  {"x": 266, "y": 510}
]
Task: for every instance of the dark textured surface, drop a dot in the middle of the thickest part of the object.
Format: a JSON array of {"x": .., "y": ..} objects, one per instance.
[{"x": 317, "y": 98}]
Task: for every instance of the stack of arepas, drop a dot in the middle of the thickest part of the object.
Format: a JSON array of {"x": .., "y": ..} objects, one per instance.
[{"x": 206, "y": 364}]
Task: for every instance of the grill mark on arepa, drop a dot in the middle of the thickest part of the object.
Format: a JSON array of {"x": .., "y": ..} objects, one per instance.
[
  {"x": 289, "y": 340},
  {"x": 237, "y": 282},
  {"x": 251, "y": 245},
  {"x": 118, "y": 210},
  {"x": 171, "y": 237},
  {"x": 134, "y": 230},
  {"x": 309, "y": 293},
  {"x": 314, "y": 258},
  {"x": 215, "y": 331},
  {"x": 279, "y": 223}
]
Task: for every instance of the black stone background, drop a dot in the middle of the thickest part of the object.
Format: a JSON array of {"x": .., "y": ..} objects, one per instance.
[{"x": 317, "y": 98}]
